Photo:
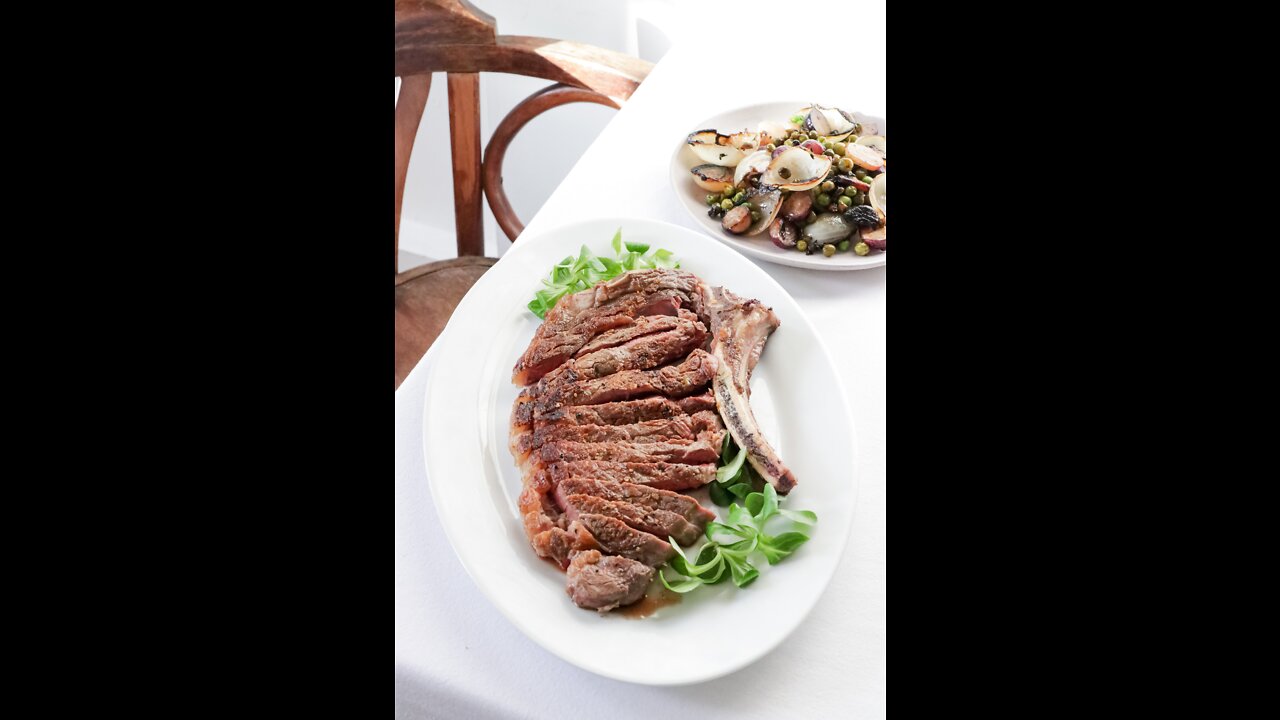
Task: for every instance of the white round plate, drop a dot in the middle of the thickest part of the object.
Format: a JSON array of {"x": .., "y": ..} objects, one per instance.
[
  {"x": 694, "y": 198},
  {"x": 474, "y": 482}
]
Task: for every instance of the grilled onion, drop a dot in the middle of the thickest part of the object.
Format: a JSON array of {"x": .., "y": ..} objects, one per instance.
[
  {"x": 832, "y": 122},
  {"x": 723, "y": 150},
  {"x": 772, "y": 131},
  {"x": 712, "y": 147},
  {"x": 756, "y": 162},
  {"x": 713, "y": 178},
  {"x": 796, "y": 169},
  {"x": 828, "y": 228}
]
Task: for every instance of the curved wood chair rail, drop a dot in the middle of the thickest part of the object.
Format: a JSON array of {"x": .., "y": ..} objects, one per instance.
[
  {"x": 455, "y": 37},
  {"x": 496, "y": 151},
  {"x": 609, "y": 73}
]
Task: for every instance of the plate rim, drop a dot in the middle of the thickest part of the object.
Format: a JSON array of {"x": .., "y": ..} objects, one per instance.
[
  {"x": 881, "y": 259},
  {"x": 514, "y": 618}
]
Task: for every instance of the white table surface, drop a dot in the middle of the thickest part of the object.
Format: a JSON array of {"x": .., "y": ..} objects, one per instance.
[{"x": 457, "y": 657}]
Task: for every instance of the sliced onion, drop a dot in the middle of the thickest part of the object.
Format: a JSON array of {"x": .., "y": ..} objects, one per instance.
[
  {"x": 768, "y": 200},
  {"x": 772, "y": 131},
  {"x": 713, "y": 178},
  {"x": 875, "y": 142},
  {"x": 756, "y": 162},
  {"x": 745, "y": 141},
  {"x": 712, "y": 147},
  {"x": 864, "y": 156},
  {"x": 828, "y": 228},
  {"x": 796, "y": 169},
  {"x": 831, "y": 122},
  {"x": 879, "y": 194},
  {"x": 869, "y": 126}
]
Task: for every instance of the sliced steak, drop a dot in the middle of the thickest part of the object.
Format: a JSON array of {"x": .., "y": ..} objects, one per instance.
[
  {"x": 547, "y": 354},
  {"x": 579, "y": 317},
  {"x": 628, "y": 412},
  {"x": 641, "y": 353},
  {"x": 538, "y": 510},
  {"x": 678, "y": 380},
  {"x": 682, "y": 505},
  {"x": 560, "y": 545},
  {"x": 603, "y": 583},
  {"x": 662, "y": 475},
  {"x": 617, "y": 413},
  {"x": 617, "y": 538},
  {"x": 739, "y": 329},
  {"x": 644, "y": 325},
  {"x": 683, "y": 427},
  {"x": 571, "y": 308},
  {"x": 669, "y": 451},
  {"x": 659, "y": 523}
]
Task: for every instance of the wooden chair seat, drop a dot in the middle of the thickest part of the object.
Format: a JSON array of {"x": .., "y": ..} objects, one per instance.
[{"x": 425, "y": 298}]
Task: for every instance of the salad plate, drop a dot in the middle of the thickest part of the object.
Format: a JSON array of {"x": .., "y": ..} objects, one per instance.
[
  {"x": 796, "y": 392},
  {"x": 694, "y": 198}
]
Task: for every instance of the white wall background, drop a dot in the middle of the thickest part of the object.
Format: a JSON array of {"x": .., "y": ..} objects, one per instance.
[{"x": 545, "y": 150}]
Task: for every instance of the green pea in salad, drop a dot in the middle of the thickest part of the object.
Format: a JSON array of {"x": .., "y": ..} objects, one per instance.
[{"x": 815, "y": 182}]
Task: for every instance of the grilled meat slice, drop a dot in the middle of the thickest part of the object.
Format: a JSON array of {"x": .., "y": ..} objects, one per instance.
[
  {"x": 600, "y": 582},
  {"x": 579, "y": 317},
  {"x": 662, "y": 475},
  {"x": 560, "y": 546},
  {"x": 683, "y": 427},
  {"x": 638, "y": 327},
  {"x": 656, "y": 522},
  {"x": 677, "y": 380},
  {"x": 681, "y": 452},
  {"x": 615, "y": 537},
  {"x": 648, "y": 496},
  {"x": 628, "y": 412},
  {"x": 640, "y": 353}
]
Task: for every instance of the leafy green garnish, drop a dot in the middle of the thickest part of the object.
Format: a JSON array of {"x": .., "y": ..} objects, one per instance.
[
  {"x": 732, "y": 469},
  {"x": 734, "y": 478},
  {"x": 731, "y": 543},
  {"x": 575, "y": 274}
]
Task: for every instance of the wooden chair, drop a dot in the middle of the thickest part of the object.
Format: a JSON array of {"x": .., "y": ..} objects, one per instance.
[{"x": 454, "y": 37}]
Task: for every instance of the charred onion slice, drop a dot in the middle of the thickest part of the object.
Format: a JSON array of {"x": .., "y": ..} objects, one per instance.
[
  {"x": 796, "y": 169},
  {"x": 832, "y": 122},
  {"x": 713, "y": 178},
  {"x": 864, "y": 156},
  {"x": 724, "y": 150},
  {"x": 773, "y": 131},
  {"x": 757, "y": 162},
  {"x": 875, "y": 142},
  {"x": 745, "y": 141}
]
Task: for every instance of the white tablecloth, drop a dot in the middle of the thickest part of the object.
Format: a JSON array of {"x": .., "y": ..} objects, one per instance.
[{"x": 457, "y": 657}]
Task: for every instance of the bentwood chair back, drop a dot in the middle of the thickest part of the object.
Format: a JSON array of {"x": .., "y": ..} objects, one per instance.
[{"x": 454, "y": 37}]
